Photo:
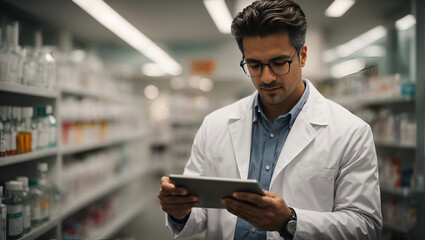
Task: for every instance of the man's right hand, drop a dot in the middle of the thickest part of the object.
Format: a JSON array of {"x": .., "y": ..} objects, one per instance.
[{"x": 174, "y": 200}]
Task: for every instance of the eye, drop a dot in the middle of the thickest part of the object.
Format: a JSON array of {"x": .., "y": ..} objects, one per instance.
[
  {"x": 279, "y": 63},
  {"x": 253, "y": 65}
]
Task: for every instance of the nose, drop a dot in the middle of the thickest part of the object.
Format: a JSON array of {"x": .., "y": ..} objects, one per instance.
[{"x": 267, "y": 75}]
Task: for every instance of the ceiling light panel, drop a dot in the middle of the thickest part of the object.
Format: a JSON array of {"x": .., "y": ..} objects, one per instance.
[
  {"x": 220, "y": 14},
  {"x": 109, "y": 18},
  {"x": 339, "y": 8}
]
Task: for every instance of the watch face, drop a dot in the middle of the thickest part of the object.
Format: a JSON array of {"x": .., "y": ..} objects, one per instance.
[{"x": 291, "y": 226}]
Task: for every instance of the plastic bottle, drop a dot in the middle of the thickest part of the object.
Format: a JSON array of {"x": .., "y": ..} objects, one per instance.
[
  {"x": 15, "y": 119},
  {"x": 37, "y": 203},
  {"x": 26, "y": 203},
  {"x": 2, "y": 142},
  {"x": 43, "y": 128},
  {"x": 15, "y": 56},
  {"x": 6, "y": 131},
  {"x": 30, "y": 67},
  {"x": 3, "y": 212},
  {"x": 34, "y": 130},
  {"x": 8, "y": 126},
  {"x": 47, "y": 188},
  {"x": 15, "y": 209},
  {"x": 4, "y": 59},
  {"x": 52, "y": 126},
  {"x": 41, "y": 69},
  {"x": 20, "y": 135},
  {"x": 27, "y": 115}
]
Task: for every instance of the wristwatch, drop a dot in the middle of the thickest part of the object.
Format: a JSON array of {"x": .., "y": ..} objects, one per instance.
[{"x": 290, "y": 226}]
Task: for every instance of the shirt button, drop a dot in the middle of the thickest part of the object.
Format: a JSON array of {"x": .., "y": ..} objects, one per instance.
[
  {"x": 267, "y": 167},
  {"x": 271, "y": 135},
  {"x": 253, "y": 230}
]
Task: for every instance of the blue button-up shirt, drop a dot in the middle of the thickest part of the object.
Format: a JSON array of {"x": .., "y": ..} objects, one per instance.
[{"x": 266, "y": 144}]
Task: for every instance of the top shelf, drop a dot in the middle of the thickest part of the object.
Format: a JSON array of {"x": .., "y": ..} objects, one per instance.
[
  {"x": 89, "y": 93},
  {"x": 354, "y": 101},
  {"x": 28, "y": 90}
]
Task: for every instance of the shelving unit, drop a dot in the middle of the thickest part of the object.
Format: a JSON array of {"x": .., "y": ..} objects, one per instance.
[{"x": 12, "y": 94}]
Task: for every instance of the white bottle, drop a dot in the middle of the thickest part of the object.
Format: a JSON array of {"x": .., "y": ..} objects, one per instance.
[
  {"x": 4, "y": 58},
  {"x": 15, "y": 57},
  {"x": 43, "y": 128},
  {"x": 6, "y": 128},
  {"x": 34, "y": 130},
  {"x": 16, "y": 119},
  {"x": 27, "y": 203},
  {"x": 52, "y": 126},
  {"x": 3, "y": 212},
  {"x": 29, "y": 68}
]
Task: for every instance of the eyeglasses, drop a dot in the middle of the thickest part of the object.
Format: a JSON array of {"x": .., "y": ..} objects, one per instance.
[{"x": 278, "y": 66}]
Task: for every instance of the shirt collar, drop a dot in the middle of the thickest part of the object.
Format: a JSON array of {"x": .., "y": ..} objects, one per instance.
[{"x": 293, "y": 113}]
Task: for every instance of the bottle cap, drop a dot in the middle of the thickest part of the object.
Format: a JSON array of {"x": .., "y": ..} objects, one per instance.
[
  {"x": 43, "y": 167},
  {"x": 23, "y": 180},
  {"x": 14, "y": 186},
  {"x": 32, "y": 182}
]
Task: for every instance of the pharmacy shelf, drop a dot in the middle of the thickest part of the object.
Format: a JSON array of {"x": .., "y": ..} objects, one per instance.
[
  {"x": 114, "y": 183},
  {"x": 393, "y": 144},
  {"x": 103, "y": 144},
  {"x": 107, "y": 231},
  {"x": 402, "y": 192},
  {"x": 395, "y": 227},
  {"x": 352, "y": 101},
  {"x": 91, "y": 94},
  {"x": 28, "y": 90},
  {"x": 40, "y": 230},
  {"x": 29, "y": 156}
]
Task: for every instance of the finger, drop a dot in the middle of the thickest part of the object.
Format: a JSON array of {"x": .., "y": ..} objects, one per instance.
[
  {"x": 261, "y": 201},
  {"x": 241, "y": 207},
  {"x": 180, "y": 207},
  {"x": 178, "y": 199},
  {"x": 168, "y": 188},
  {"x": 165, "y": 179}
]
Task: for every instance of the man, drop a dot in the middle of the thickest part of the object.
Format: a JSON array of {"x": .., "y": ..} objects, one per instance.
[{"x": 315, "y": 160}]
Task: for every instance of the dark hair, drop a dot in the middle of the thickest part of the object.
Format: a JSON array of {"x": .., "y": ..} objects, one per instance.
[{"x": 265, "y": 17}]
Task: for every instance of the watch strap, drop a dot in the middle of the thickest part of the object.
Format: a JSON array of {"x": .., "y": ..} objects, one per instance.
[{"x": 285, "y": 234}]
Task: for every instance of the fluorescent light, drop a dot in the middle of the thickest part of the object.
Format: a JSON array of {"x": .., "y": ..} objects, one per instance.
[
  {"x": 361, "y": 41},
  {"x": 152, "y": 70},
  {"x": 339, "y": 8},
  {"x": 220, "y": 14},
  {"x": 348, "y": 67},
  {"x": 406, "y": 22},
  {"x": 374, "y": 51},
  {"x": 109, "y": 18}
]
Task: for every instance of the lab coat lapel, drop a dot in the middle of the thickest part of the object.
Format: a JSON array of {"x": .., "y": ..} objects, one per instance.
[
  {"x": 241, "y": 132},
  {"x": 303, "y": 131}
]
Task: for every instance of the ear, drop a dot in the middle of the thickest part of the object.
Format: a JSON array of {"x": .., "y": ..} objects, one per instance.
[{"x": 303, "y": 55}]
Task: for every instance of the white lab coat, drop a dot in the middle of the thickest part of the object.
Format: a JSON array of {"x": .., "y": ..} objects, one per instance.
[{"x": 327, "y": 170}]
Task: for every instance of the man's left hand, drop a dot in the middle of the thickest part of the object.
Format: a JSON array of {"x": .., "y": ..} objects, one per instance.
[{"x": 268, "y": 213}]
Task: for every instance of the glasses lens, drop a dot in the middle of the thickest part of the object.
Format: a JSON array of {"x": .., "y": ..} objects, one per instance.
[
  {"x": 252, "y": 69},
  {"x": 280, "y": 67}
]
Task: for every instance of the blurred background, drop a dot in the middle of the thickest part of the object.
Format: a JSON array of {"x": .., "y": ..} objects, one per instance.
[{"x": 99, "y": 99}]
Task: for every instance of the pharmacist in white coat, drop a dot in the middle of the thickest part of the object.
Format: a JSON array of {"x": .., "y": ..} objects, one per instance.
[{"x": 315, "y": 160}]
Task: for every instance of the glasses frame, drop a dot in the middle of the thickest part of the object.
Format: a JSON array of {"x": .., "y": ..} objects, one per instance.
[{"x": 242, "y": 63}]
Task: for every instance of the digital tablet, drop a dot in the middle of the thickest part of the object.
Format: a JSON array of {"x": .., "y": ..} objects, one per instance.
[{"x": 211, "y": 190}]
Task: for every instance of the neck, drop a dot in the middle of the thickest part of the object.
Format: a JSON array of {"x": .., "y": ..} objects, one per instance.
[{"x": 274, "y": 111}]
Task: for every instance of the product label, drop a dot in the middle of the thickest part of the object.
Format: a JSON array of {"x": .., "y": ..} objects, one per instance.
[
  {"x": 7, "y": 141},
  {"x": 27, "y": 216},
  {"x": 15, "y": 220},
  {"x": 36, "y": 212},
  {"x": 52, "y": 137},
  {"x": 34, "y": 140}
]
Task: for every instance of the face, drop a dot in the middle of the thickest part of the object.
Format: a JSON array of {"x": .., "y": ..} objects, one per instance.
[{"x": 275, "y": 90}]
